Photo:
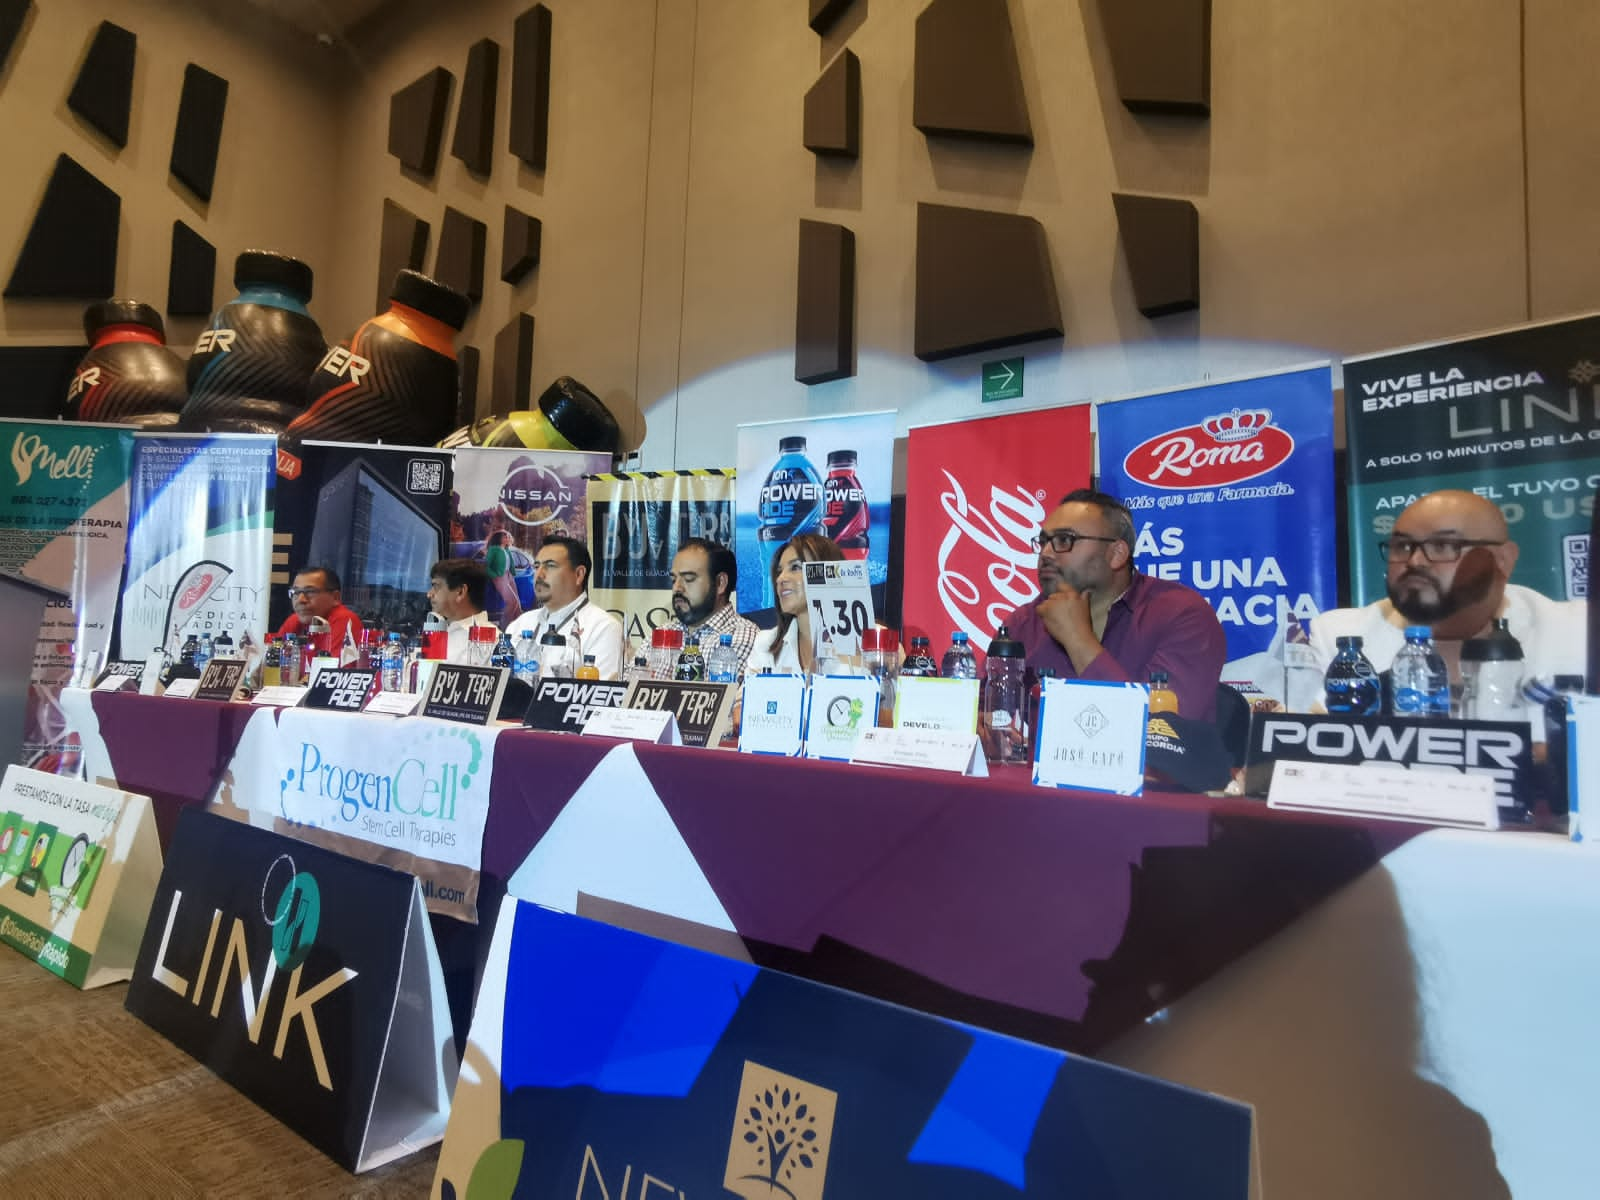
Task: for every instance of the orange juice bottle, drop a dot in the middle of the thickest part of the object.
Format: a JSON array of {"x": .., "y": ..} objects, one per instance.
[
  {"x": 1162, "y": 697},
  {"x": 590, "y": 671}
]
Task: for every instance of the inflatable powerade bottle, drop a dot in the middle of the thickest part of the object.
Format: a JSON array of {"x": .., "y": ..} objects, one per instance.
[
  {"x": 395, "y": 378},
  {"x": 129, "y": 375},
  {"x": 249, "y": 369},
  {"x": 568, "y": 417}
]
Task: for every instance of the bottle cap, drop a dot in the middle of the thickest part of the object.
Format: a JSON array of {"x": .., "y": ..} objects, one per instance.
[
  {"x": 725, "y": 640},
  {"x": 1417, "y": 632},
  {"x": 1568, "y": 683},
  {"x": 527, "y": 633},
  {"x": 1158, "y": 679},
  {"x": 792, "y": 445},
  {"x": 429, "y": 296},
  {"x": 276, "y": 270},
  {"x": 958, "y": 638},
  {"x": 483, "y": 633},
  {"x": 121, "y": 312},
  {"x": 579, "y": 416},
  {"x": 1349, "y": 642},
  {"x": 841, "y": 458},
  {"x": 588, "y": 658},
  {"x": 552, "y": 638},
  {"x": 918, "y": 643},
  {"x": 672, "y": 639},
  {"x": 1005, "y": 646},
  {"x": 1499, "y": 646}
]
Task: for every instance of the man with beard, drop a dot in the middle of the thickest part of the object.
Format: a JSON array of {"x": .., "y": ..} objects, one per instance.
[
  {"x": 704, "y": 578},
  {"x": 1450, "y": 557},
  {"x": 561, "y": 586},
  {"x": 1097, "y": 618}
]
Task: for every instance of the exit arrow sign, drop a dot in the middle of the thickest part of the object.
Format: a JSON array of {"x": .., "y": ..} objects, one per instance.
[{"x": 1002, "y": 379}]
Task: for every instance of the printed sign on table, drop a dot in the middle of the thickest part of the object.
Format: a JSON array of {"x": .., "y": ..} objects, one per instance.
[
  {"x": 613, "y": 1064},
  {"x": 1091, "y": 736},
  {"x": 842, "y": 708},
  {"x": 702, "y": 709},
  {"x": 78, "y": 868},
  {"x": 470, "y": 695},
  {"x": 220, "y": 680},
  {"x": 565, "y": 705},
  {"x": 307, "y": 980},
  {"x": 343, "y": 689},
  {"x": 772, "y": 715},
  {"x": 928, "y": 703}
]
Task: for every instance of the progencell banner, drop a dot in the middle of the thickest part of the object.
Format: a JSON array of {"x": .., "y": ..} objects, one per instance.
[
  {"x": 63, "y": 522},
  {"x": 1231, "y": 489},
  {"x": 197, "y": 498},
  {"x": 976, "y": 493},
  {"x": 505, "y": 503},
  {"x": 829, "y": 475},
  {"x": 1513, "y": 416},
  {"x": 637, "y": 521}
]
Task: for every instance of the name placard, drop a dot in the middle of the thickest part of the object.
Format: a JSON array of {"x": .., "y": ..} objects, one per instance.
[
  {"x": 961, "y": 753},
  {"x": 394, "y": 704},
  {"x": 842, "y": 708},
  {"x": 700, "y": 709},
  {"x": 772, "y": 715},
  {"x": 307, "y": 980},
  {"x": 470, "y": 695},
  {"x": 343, "y": 689},
  {"x": 1091, "y": 736},
  {"x": 1387, "y": 791},
  {"x": 119, "y": 674},
  {"x": 565, "y": 705},
  {"x": 182, "y": 688},
  {"x": 220, "y": 680},
  {"x": 936, "y": 704},
  {"x": 280, "y": 695},
  {"x": 636, "y": 724}
]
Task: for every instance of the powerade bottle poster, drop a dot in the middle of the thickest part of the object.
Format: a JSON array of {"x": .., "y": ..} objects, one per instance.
[{"x": 830, "y": 476}]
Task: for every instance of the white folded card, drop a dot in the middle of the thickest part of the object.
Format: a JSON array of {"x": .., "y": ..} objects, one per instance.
[
  {"x": 936, "y": 704},
  {"x": 772, "y": 714},
  {"x": 843, "y": 707},
  {"x": 181, "y": 689},
  {"x": 280, "y": 695},
  {"x": 934, "y": 749},
  {"x": 1434, "y": 797},
  {"x": 395, "y": 704},
  {"x": 1091, "y": 736},
  {"x": 657, "y": 725}
]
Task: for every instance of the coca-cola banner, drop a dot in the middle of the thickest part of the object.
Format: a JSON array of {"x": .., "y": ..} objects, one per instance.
[
  {"x": 976, "y": 492},
  {"x": 1512, "y": 416},
  {"x": 637, "y": 520},
  {"x": 827, "y": 475},
  {"x": 1231, "y": 488}
]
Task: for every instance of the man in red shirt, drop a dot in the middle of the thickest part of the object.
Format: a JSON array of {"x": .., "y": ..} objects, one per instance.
[{"x": 315, "y": 593}]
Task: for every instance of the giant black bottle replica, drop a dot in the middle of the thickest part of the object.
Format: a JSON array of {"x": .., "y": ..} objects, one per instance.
[
  {"x": 249, "y": 368},
  {"x": 394, "y": 379},
  {"x": 568, "y": 417},
  {"x": 129, "y": 375}
]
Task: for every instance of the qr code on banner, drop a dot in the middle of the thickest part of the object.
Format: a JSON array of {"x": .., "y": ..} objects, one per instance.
[
  {"x": 425, "y": 476},
  {"x": 1575, "y": 557}
]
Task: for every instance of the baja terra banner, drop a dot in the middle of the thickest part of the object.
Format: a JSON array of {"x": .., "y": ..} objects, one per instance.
[
  {"x": 976, "y": 494},
  {"x": 1513, "y": 416},
  {"x": 197, "y": 499},
  {"x": 63, "y": 523},
  {"x": 1231, "y": 487},
  {"x": 637, "y": 521}
]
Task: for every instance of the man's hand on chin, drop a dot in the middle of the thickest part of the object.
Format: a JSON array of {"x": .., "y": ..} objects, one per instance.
[{"x": 1066, "y": 617}]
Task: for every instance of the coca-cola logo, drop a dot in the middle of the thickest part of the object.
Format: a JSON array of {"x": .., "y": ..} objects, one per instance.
[
  {"x": 1223, "y": 448},
  {"x": 1005, "y": 535}
]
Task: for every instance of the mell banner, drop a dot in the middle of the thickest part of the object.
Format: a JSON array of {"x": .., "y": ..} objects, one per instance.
[
  {"x": 829, "y": 475},
  {"x": 505, "y": 503},
  {"x": 1231, "y": 488},
  {"x": 605, "y": 1063},
  {"x": 976, "y": 492},
  {"x": 377, "y": 515},
  {"x": 1513, "y": 416},
  {"x": 637, "y": 520},
  {"x": 202, "y": 498},
  {"x": 64, "y": 523}
]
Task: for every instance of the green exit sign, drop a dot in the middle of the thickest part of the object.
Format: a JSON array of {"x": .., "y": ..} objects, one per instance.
[{"x": 1002, "y": 379}]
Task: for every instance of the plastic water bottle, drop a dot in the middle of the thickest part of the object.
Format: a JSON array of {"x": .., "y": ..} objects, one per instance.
[
  {"x": 664, "y": 646},
  {"x": 919, "y": 663},
  {"x": 190, "y": 651},
  {"x": 722, "y": 664},
  {"x": 958, "y": 662},
  {"x": 1351, "y": 686},
  {"x": 556, "y": 660},
  {"x": 205, "y": 653},
  {"x": 391, "y": 664},
  {"x": 880, "y": 652},
  {"x": 1421, "y": 680},
  {"x": 526, "y": 663},
  {"x": 289, "y": 661},
  {"x": 790, "y": 502},
  {"x": 1002, "y": 710},
  {"x": 1491, "y": 676},
  {"x": 503, "y": 654},
  {"x": 691, "y": 664}
]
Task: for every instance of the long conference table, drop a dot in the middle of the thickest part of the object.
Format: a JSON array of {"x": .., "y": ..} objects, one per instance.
[{"x": 1103, "y": 925}]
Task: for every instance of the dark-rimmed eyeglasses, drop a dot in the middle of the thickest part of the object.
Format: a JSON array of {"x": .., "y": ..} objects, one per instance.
[
  {"x": 1063, "y": 540},
  {"x": 1437, "y": 550},
  {"x": 296, "y": 593}
]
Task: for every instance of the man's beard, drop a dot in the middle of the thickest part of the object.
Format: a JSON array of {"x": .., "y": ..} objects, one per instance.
[
  {"x": 690, "y": 614},
  {"x": 1462, "y": 593}
]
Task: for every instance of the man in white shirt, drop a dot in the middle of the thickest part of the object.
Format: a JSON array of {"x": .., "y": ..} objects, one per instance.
[
  {"x": 1450, "y": 558},
  {"x": 561, "y": 586},
  {"x": 456, "y": 589}
]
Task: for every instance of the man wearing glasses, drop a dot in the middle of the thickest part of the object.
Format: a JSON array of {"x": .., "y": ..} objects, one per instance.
[
  {"x": 1449, "y": 561},
  {"x": 1097, "y": 618},
  {"x": 561, "y": 585},
  {"x": 315, "y": 595}
]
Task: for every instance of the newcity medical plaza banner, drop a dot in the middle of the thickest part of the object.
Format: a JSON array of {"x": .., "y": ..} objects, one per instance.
[
  {"x": 201, "y": 516},
  {"x": 976, "y": 494},
  {"x": 1513, "y": 416},
  {"x": 827, "y": 475},
  {"x": 1231, "y": 489},
  {"x": 637, "y": 521},
  {"x": 63, "y": 522},
  {"x": 505, "y": 503}
]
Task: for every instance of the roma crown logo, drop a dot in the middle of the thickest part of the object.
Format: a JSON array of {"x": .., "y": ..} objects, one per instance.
[{"x": 782, "y": 1131}]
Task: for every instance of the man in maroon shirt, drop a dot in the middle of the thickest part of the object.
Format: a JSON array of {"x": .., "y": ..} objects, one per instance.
[
  {"x": 315, "y": 593},
  {"x": 1098, "y": 618}
]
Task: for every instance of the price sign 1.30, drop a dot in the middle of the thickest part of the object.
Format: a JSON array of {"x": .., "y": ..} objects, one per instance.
[{"x": 840, "y": 598}]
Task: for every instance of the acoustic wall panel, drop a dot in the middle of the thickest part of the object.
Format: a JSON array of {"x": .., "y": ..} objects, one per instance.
[
  {"x": 416, "y": 120},
  {"x": 984, "y": 280},
  {"x": 519, "y": 245},
  {"x": 965, "y": 79},
  {"x": 12, "y": 15},
  {"x": 102, "y": 94},
  {"x": 833, "y": 109},
  {"x": 191, "y": 274},
  {"x": 530, "y": 86},
  {"x": 825, "y": 303},
  {"x": 459, "y": 263},
  {"x": 402, "y": 243},
  {"x": 1161, "y": 240},
  {"x": 467, "y": 398},
  {"x": 474, "y": 139},
  {"x": 825, "y": 12},
  {"x": 71, "y": 249},
  {"x": 1160, "y": 54},
  {"x": 511, "y": 387},
  {"x": 198, "y": 137}
]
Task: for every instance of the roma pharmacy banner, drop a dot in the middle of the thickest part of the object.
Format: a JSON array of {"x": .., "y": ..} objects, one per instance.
[
  {"x": 64, "y": 523},
  {"x": 1231, "y": 488},
  {"x": 637, "y": 521},
  {"x": 1513, "y": 416},
  {"x": 201, "y": 509},
  {"x": 976, "y": 493}
]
